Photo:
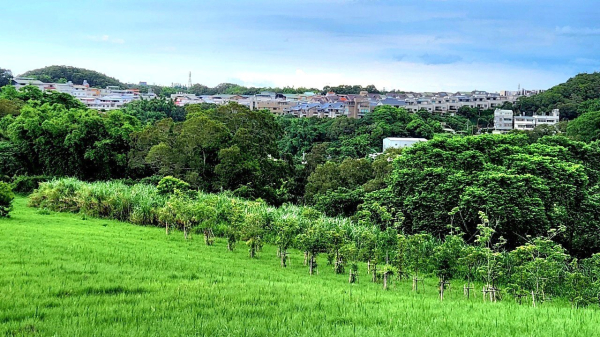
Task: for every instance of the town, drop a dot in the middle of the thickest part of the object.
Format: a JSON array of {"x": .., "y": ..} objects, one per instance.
[{"x": 311, "y": 104}]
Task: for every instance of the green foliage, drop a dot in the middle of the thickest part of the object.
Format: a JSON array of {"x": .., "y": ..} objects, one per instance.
[
  {"x": 27, "y": 184},
  {"x": 6, "y": 199},
  {"x": 56, "y": 141},
  {"x": 523, "y": 187},
  {"x": 73, "y": 74},
  {"x": 566, "y": 96},
  {"x": 230, "y": 148},
  {"x": 5, "y": 77},
  {"x": 169, "y": 184},
  {"x": 586, "y": 127},
  {"x": 151, "y": 111}
]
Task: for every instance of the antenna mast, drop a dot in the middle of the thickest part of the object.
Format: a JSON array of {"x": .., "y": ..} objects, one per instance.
[{"x": 190, "y": 80}]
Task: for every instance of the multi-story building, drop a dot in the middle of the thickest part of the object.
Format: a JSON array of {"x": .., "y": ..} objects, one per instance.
[{"x": 503, "y": 120}]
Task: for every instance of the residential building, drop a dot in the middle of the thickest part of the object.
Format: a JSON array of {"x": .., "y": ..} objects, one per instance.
[
  {"x": 397, "y": 142},
  {"x": 503, "y": 120}
]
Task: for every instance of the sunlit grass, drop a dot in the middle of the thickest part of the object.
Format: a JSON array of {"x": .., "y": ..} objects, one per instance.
[{"x": 65, "y": 276}]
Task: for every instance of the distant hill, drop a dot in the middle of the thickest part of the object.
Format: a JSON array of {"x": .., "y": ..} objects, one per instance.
[
  {"x": 73, "y": 74},
  {"x": 567, "y": 96}
]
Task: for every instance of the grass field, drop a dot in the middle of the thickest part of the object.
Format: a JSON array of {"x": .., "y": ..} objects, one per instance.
[{"x": 61, "y": 275}]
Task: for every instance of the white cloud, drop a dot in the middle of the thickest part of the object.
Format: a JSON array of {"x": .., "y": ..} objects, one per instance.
[{"x": 568, "y": 30}]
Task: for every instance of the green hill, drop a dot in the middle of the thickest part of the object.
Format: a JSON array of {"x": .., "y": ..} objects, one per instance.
[
  {"x": 567, "y": 96},
  {"x": 63, "y": 275},
  {"x": 73, "y": 74}
]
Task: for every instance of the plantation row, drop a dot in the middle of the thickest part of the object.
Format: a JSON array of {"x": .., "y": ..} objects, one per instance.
[{"x": 532, "y": 273}]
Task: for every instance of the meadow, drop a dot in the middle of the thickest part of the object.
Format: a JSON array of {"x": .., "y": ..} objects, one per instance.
[{"x": 67, "y": 275}]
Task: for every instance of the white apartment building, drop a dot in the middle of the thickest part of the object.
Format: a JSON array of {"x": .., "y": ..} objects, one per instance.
[
  {"x": 503, "y": 120},
  {"x": 550, "y": 119}
]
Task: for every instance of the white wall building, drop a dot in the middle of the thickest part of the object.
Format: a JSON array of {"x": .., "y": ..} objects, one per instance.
[
  {"x": 503, "y": 120},
  {"x": 400, "y": 142}
]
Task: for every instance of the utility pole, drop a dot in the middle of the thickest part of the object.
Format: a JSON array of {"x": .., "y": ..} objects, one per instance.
[{"x": 190, "y": 80}]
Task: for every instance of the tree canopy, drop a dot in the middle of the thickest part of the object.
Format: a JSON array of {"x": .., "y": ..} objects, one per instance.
[{"x": 73, "y": 74}]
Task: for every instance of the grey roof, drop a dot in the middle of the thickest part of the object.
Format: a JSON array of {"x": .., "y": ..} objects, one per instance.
[{"x": 392, "y": 101}]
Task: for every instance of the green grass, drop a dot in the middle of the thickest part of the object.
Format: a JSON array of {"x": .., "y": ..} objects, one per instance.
[{"x": 65, "y": 276}]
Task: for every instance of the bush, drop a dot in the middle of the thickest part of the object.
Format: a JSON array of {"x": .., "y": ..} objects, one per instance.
[
  {"x": 6, "y": 199},
  {"x": 151, "y": 180},
  {"x": 26, "y": 184},
  {"x": 169, "y": 184}
]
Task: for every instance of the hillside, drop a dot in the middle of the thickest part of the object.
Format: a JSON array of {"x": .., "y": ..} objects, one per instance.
[
  {"x": 63, "y": 275},
  {"x": 566, "y": 96},
  {"x": 73, "y": 74}
]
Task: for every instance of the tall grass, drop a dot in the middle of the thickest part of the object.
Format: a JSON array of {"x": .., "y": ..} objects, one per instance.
[{"x": 139, "y": 204}]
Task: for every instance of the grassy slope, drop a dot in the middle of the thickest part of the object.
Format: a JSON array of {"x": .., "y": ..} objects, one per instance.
[{"x": 61, "y": 275}]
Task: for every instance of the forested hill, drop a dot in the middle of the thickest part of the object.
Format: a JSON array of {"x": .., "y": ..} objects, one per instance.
[
  {"x": 73, "y": 74},
  {"x": 573, "y": 97}
]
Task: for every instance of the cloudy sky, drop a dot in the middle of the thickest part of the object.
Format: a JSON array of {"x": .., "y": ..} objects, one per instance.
[{"x": 425, "y": 45}]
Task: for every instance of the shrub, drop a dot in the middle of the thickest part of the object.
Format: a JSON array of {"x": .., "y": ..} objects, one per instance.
[
  {"x": 169, "y": 184},
  {"x": 151, "y": 180},
  {"x": 26, "y": 184},
  {"x": 6, "y": 199}
]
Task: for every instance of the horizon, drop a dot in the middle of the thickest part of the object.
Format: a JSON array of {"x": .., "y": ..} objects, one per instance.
[{"x": 432, "y": 45}]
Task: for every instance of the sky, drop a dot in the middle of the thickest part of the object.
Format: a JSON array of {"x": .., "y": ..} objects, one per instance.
[{"x": 416, "y": 45}]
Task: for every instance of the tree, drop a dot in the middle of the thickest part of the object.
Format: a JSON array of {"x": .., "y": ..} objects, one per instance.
[
  {"x": 205, "y": 218},
  {"x": 183, "y": 210},
  {"x": 169, "y": 184},
  {"x": 314, "y": 241},
  {"x": 337, "y": 240},
  {"x": 539, "y": 265},
  {"x": 166, "y": 215},
  {"x": 585, "y": 127},
  {"x": 492, "y": 270},
  {"x": 153, "y": 110},
  {"x": 10, "y": 107},
  {"x": 286, "y": 230},
  {"x": 75, "y": 75},
  {"x": 6, "y": 198},
  {"x": 252, "y": 232},
  {"x": 417, "y": 251},
  {"x": 5, "y": 77},
  {"x": 446, "y": 258}
]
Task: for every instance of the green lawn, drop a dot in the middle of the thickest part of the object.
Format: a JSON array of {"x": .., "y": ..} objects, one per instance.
[{"x": 61, "y": 275}]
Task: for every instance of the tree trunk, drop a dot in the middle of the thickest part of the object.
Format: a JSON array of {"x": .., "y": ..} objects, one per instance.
[
  {"x": 305, "y": 258},
  {"x": 185, "y": 235},
  {"x": 351, "y": 278},
  {"x": 310, "y": 264},
  {"x": 385, "y": 281},
  {"x": 368, "y": 266},
  {"x": 374, "y": 273},
  {"x": 283, "y": 255},
  {"x": 441, "y": 289},
  {"x": 167, "y": 228},
  {"x": 468, "y": 288},
  {"x": 533, "y": 298}
]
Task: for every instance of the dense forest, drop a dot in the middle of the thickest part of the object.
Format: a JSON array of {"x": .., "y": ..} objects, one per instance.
[{"x": 574, "y": 97}]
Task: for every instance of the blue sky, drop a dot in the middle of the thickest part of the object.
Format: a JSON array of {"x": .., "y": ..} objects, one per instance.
[{"x": 425, "y": 45}]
